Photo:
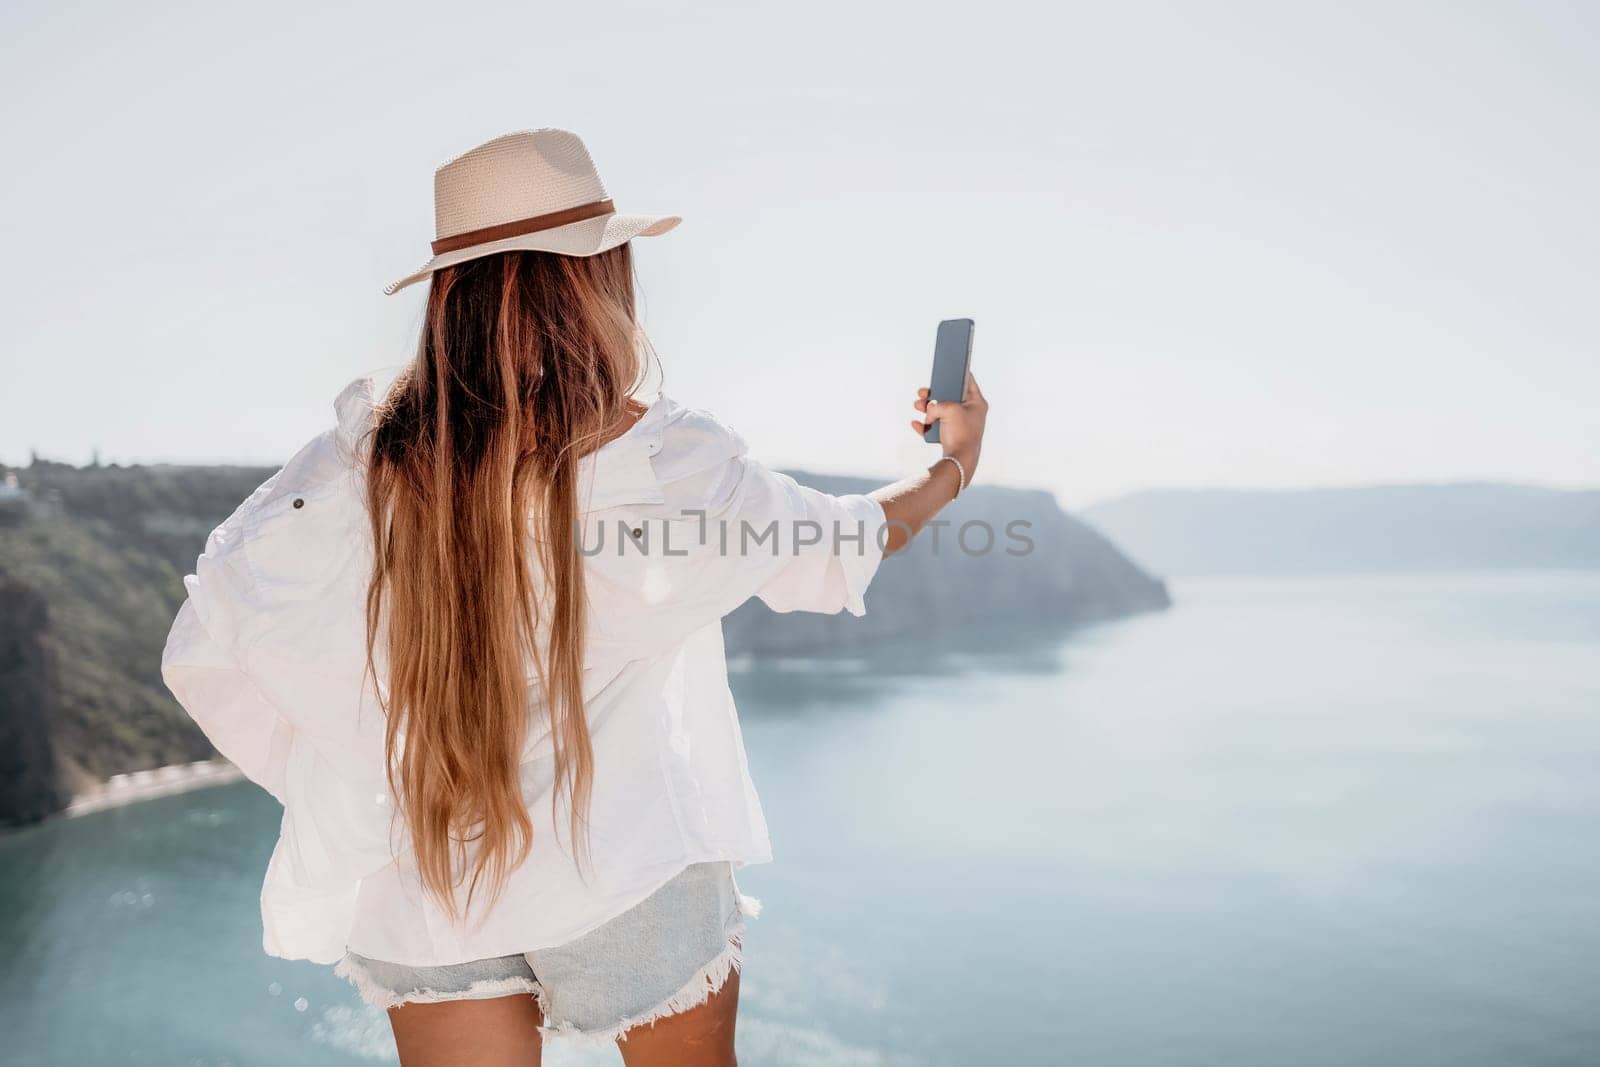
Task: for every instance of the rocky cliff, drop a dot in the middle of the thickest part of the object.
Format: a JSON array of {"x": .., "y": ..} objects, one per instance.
[{"x": 92, "y": 560}]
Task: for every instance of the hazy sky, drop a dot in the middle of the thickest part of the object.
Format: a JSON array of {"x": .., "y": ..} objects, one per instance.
[{"x": 1205, "y": 244}]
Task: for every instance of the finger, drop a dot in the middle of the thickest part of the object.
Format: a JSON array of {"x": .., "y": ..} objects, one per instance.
[
  {"x": 919, "y": 427},
  {"x": 921, "y": 405},
  {"x": 923, "y": 392},
  {"x": 972, "y": 391}
]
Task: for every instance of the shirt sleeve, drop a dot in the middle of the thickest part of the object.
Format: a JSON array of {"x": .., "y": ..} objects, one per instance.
[
  {"x": 725, "y": 529},
  {"x": 828, "y": 547},
  {"x": 201, "y": 665}
]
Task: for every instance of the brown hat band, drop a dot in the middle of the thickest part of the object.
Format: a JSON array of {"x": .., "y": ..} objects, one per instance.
[{"x": 521, "y": 226}]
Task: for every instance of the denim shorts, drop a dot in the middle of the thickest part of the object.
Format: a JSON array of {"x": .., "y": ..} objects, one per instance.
[{"x": 663, "y": 956}]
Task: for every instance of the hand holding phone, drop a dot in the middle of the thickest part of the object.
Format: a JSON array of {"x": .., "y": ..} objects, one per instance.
[
  {"x": 954, "y": 409},
  {"x": 953, "y": 414}
]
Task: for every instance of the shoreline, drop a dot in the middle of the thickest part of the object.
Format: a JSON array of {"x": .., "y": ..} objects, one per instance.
[{"x": 121, "y": 790}]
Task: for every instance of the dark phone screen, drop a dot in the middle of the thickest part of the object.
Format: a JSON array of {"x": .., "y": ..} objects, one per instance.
[{"x": 952, "y": 351}]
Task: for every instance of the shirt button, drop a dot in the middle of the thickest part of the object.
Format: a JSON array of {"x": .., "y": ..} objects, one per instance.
[
  {"x": 299, "y": 502},
  {"x": 637, "y": 532}
]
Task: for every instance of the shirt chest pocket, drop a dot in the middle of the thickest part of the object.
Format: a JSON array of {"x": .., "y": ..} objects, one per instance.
[
  {"x": 299, "y": 544},
  {"x": 645, "y": 573}
]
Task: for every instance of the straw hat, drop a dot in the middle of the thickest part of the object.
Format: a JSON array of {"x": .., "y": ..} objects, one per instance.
[{"x": 533, "y": 189}]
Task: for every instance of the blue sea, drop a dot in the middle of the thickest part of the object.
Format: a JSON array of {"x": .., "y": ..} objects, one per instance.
[{"x": 1313, "y": 821}]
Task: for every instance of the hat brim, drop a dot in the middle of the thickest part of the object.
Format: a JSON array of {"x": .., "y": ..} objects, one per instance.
[{"x": 587, "y": 238}]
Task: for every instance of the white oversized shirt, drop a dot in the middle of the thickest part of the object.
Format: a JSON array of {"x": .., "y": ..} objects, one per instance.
[{"x": 268, "y": 655}]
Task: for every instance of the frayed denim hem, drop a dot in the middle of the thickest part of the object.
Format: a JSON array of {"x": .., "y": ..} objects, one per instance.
[
  {"x": 705, "y": 984},
  {"x": 376, "y": 995},
  {"x": 591, "y": 990}
]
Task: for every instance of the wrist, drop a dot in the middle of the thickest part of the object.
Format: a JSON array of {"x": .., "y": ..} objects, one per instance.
[
  {"x": 954, "y": 471},
  {"x": 967, "y": 457}
]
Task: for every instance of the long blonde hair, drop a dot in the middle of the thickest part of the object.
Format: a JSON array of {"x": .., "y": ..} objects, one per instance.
[{"x": 526, "y": 362}]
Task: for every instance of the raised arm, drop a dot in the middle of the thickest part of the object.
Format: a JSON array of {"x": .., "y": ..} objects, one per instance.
[{"x": 909, "y": 504}]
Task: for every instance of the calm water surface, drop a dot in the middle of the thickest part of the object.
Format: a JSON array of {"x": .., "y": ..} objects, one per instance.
[{"x": 1314, "y": 821}]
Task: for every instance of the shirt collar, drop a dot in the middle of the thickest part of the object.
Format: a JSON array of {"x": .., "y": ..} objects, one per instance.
[
  {"x": 617, "y": 474},
  {"x": 353, "y": 408}
]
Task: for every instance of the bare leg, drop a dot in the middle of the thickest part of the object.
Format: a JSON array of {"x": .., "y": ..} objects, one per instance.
[
  {"x": 498, "y": 1032},
  {"x": 699, "y": 1037}
]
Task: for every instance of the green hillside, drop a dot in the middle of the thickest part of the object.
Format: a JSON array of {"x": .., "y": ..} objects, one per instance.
[{"x": 91, "y": 573}]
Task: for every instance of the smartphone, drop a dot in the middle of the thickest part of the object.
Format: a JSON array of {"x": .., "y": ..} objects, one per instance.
[{"x": 952, "y": 353}]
